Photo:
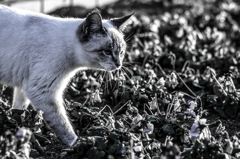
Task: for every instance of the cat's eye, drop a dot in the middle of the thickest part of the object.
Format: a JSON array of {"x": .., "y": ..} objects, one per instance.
[{"x": 107, "y": 52}]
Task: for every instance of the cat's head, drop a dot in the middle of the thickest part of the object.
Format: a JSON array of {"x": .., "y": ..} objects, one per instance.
[{"x": 102, "y": 41}]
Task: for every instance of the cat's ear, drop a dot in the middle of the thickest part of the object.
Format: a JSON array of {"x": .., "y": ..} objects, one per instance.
[
  {"x": 93, "y": 22},
  {"x": 120, "y": 23}
]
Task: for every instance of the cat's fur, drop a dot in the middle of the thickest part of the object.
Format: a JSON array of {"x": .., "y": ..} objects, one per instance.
[{"x": 40, "y": 53}]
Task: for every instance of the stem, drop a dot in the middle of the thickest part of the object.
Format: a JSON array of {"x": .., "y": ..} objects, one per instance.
[
  {"x": 104, "y": 108},
  {"x": 227, "y": 135},
  {"x": 234, "y": 88},
  {"x": 184, "y": 94},
  {"x": 145, "y": 60},
  {"x": 156, "y": 100},
  {"x": 186, "y": 64},
  {"x": 121, "y": 107},
  {"x": 131, "y": 149},
  {"x": 170, "y": 107},
  {"x": 173, "y": 60},
  {"x": 185, "y": 84},
  {"x": 85, "y": 101},
  {"x": 148, "y": 108},
  {"x": 134, "y": 126},
  {"x": 161, "y": 69},
  {"x": 201, "y": 109},
  {"x": 214, "y": 77}
]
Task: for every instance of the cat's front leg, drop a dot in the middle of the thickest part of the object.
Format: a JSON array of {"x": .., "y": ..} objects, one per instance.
[
  {"x": 56, "y": 116},
  {"x": 54, "y": 113}
]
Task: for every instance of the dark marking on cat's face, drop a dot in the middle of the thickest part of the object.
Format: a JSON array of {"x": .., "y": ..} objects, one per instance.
[
  {"x": 102, "y": 42},
  {"x": 91, "y": 26}
]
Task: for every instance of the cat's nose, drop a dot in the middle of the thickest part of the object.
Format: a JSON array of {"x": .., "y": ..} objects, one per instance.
[{"x": 117, "y": 64}]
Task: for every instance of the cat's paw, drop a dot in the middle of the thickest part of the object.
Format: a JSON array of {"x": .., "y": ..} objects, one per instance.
[
  {"x": 75, "y": 139},
  {"x": 77, "y": 143},
  {"x": 69, "y": 139}
]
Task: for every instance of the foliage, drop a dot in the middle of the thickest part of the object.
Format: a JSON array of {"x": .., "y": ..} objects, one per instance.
[{"x": 180, "y": 71}]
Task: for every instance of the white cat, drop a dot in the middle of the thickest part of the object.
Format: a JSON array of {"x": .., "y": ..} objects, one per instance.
[{"x": 40, "y": 53}]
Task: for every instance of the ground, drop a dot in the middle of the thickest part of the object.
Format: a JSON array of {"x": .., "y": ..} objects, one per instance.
[{"x": 176, "y": 96}]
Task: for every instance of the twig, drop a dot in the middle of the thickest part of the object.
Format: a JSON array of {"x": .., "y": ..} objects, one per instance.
[
  {"x": 131, "y": 148},
  {"x": 85, "y": 102},
  {"x": 170, "y": 107},
  {"x": 184, "y": 94},
  {"x": 161, "y": 69},
  {"x": 185, "y": 65},
  {"x": 134, "y": 126},
  {"x": 104, "y": 108},
  {"x": 121, "y": 107},
  {"x": 145, "y": 105},
  {"x": 230, "y": 79}
]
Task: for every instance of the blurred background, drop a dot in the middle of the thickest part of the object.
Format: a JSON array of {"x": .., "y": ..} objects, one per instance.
[{"x": 46, "y": 6}]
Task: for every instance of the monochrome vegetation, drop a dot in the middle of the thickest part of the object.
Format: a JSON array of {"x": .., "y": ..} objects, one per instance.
[{"x": 176, "y": 96}]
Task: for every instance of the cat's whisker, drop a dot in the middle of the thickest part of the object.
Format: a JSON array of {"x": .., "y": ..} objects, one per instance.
[
  {"x": 110, "y": 78},
  {"x": 126, "y": 72},
  {"x": 123, "y": 81},
  {"x": 107, "y": 89},
  {"x": 122, "y": 71},
  {"x": 127, "y": 63},
  {"x": 124, "y": 68},
  {"x": 104, "y": 74},
  {"x": 129, "y": 37},
  {"x": 129, "y": 44},
  {"x": 99, "y": 73},
  {"x": 105, "y": 83}
]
